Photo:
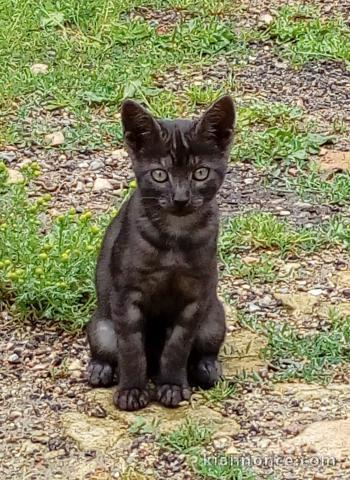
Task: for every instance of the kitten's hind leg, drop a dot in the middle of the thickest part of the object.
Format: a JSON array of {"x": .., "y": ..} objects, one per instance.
[
  {"x": 204, "y": 369},
  {"x": 103, "y": 346}
]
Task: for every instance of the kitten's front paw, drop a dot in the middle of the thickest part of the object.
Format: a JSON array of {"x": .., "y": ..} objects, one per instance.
[
  {"x": 100, "y": 374},
  {"x": 171, "y": 395},
  {"x": 206, "y": 373},
  {"x": 131, "y": 399}
]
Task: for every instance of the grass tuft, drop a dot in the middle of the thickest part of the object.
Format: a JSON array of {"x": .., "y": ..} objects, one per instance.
[
  {"x": 302, "y": 35},
  {"x": 46, "y": 264}
]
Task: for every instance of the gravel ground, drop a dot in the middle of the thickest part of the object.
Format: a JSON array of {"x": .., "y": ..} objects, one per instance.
[{"x": 42, "y": 369}]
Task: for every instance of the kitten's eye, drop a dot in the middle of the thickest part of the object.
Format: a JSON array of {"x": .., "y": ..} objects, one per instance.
[
  {"x": 159, "y": 175},
  {"x": 201, "y": 173}
]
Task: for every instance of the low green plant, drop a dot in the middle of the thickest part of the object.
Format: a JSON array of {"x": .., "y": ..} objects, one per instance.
[
  {"x": 263, "y": 270},
  {"x": 262, "y": 231},
  {"x": 302, "y": 35},
  {"x": 271, "y": 132},
  {"x": 188, "y": 437},
  {"x": 309, "y": 357},
  {"x": 223, "y": 390},
  {"x": 222, "y": 468},
  {"x": 46, "y": 264},
  {"x": 310, "y": 185},
  {"x": 288, "y": 143}
]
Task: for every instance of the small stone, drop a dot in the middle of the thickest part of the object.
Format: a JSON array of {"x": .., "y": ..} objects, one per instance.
[
  {"x": 55, "y": 139},
  {"x": 253, "y": 308},
  {"x": 250, "y": 260},
  {"x": 14, "y": 358},
  {"x": 7, "y": 156},
  {"x": 54, "y": 454},
  {"x": 118, "y": 154},
  {"x": 299, "y": 303},
  {"x": 231, "y": 450},
  {"x": 101, "y": 184},
  {"x": 14, "y": 176},
  {"x": 84, "y": 165},
  {"x": 316, "y": 292},
  {"x": 39, "y": 68},
  {"x": 221, "y": 443},
  {"x": 97, "y": 165},
  {"x": 266, "y": 18},
  {"x": 14, "y": 415},
  {"x": 284, "y": 213},
  {"x": 288, "y": 268}
]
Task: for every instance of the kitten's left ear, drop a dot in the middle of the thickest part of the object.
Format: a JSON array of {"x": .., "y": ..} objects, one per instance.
[
  {"x": 217, "y": 123},
  {"x": 141, "y": 130}
]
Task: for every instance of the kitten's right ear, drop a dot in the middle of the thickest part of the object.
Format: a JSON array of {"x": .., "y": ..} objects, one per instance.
[{"x": 141, "y": 130}]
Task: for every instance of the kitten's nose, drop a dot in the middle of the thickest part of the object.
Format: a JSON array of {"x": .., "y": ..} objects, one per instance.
[{"x": 180, "y": 202}]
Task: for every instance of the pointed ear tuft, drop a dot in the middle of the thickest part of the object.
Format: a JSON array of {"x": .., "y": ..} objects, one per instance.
[
  {"x": 217, "y": 124},
  {"x": 141, "y": 130}
]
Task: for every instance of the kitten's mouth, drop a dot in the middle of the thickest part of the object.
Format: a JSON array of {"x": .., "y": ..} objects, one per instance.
[{"x": 182, "y": 211}]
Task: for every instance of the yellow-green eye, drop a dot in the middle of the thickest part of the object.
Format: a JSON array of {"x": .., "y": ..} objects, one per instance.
[
  {"x": 159, "y": 175},
  {"x": 201, "y": 173}
]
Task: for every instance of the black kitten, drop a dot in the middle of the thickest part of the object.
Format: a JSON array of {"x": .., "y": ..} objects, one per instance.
[{"x": 158, "y": 313}]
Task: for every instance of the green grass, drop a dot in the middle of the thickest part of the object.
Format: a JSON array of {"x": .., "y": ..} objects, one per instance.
[
  {"x": 223, "y": 390},
  {"x": 310, "y": 185},
  {"x": 309, "y": 357},
  {"x": 262, "y": 231},
  {"x": 222, "y": 468},
  {"x": 96, "y": 55},
  {"x": 263, "y": 270},
  {"x": 271, "y": 133},
  {"x": 46, "y": 265},
  {"x": 187, "y": 438},
  {"x": 302, "y": 35}
]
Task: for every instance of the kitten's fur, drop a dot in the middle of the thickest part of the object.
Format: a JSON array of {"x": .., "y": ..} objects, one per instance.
[{"x": 158, "y": 313}]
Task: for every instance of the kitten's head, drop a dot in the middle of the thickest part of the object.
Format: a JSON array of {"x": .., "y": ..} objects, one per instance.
[{"x": 179, "y": 164}]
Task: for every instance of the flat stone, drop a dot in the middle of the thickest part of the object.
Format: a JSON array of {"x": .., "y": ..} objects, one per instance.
[
  {"x": 316, "y": 292},
  {"x": 328, "y": 438},
  {"x": 335, "y": 161},
  {"x": 39, "y": 68},
  {"x": 55, "y": 139},
  {"x": 299, "y": 303},
  {"x": 342, "y": 278},
  {"x": 14, "y": 176},
  {"x": 97, "y": 165},
  {"x": 310, "y": 392},
  {"x": 7, "y": 157},
  {"x": 112, "y": 434},
  {"x": 101, "y": 184},
  {"x": 242, "y": 353}
]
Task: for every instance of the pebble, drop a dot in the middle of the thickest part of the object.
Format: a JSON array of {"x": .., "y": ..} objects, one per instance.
[
  {"x": 14, "y": 358},
  {"x": 253, "y": 308},
  {"x": 101, "y": 184},
  {"x": 97, "y": 165},
  {"x": 55, "y": 139},
  {"x": 14, "y": 176},
  {"x": 266, "y": 18},
  {"x": 7, "y": 156},
  {"x": 284, "y": 213},
  {"x": 316, "y": 292},
  {"x": 84, "y": 165},
  {"x": 39, "y": 68}
]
